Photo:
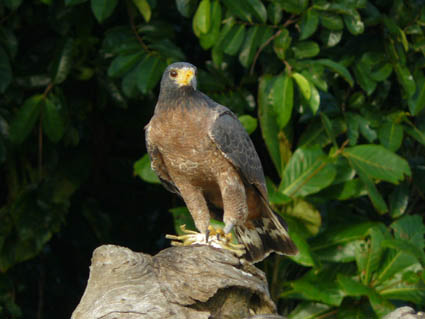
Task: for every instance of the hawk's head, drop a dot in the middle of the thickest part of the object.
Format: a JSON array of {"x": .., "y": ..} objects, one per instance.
[{"x": 177, "y": 75}]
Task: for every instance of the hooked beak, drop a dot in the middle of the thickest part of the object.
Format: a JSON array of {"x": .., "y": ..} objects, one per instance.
[{"x": 185, "y": 76}]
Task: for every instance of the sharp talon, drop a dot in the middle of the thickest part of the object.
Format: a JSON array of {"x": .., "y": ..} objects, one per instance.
[{"x": 216, "y": 237}]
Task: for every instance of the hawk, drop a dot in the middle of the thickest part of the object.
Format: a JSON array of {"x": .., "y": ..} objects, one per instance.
[{"x": 200, "y": 151}]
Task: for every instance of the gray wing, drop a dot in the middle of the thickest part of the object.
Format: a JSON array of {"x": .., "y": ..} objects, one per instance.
[
  {"x": 158, "y": 165},
  {"x": 234, "y": 142}
]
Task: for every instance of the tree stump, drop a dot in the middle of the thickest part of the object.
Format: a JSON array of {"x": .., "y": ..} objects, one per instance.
[{"x": 196, "y": 282}]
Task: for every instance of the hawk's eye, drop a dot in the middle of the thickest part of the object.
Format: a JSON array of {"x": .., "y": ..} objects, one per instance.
[{"x": 173, "y": 73}]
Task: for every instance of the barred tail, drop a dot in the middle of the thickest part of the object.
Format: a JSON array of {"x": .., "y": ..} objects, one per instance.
[{"x": 264, "y": 235}]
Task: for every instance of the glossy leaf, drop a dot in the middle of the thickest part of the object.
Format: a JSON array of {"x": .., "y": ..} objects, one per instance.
[
  {"x": 202, "y": 18},
  {"x": 305, "y": 49},
  {"x": 144, "y": 9},
  {"x": 281, "y": 43},
  {"x": 417, "y": 101},
  {"x": 142, "y": 168},
  {"x": 251, "y": 44},
  {"x": 209, "y": 39},
  {"x": 337, "y": 68},
  {"x": 310, "y": 310},
  {"x": 5, "y": 71},
  {"x": 391, "y": 136},
  {"x": 234, "y": 39},
  {"x": 282, "y": 99},
  {"x": 258, "y": 9},
  {"x": 274, "y": 12},
  {"x": 405, "y": 79},
  {"x": 354, "y": 23},
  {"x": 303, "y": 85},
  {"x": 124, "y": 63},
  {"x": 249, "y": 123},
  {"x": 186, "y": 7},
  {"x": 399, "y": 200},
  {"x": 377, "y": 162},
  {"x": 309, "y": 23},
  {"x": 307, "y": 172},
  {"x": 331, "y": 21},
  {"x": 314, "y": 101},
  {"x": 52, "y": 119},
  {"x": 293, "y": 6},
  {"x": 239, "y": 8},
  {"x": 149, "y": 73},
  {"x": 103, "y": 9},
  {"x": 268, "y": 122},
  {"x": 304, "y": 256},
  {"x": 25, "y": 119}
]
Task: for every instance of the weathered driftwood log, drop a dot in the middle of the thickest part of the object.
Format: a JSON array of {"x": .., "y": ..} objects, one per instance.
[{"x": 196, "y": 282}]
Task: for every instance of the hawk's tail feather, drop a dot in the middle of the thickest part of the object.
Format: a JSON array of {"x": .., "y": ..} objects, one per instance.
[{"x": 268, "y": 234}]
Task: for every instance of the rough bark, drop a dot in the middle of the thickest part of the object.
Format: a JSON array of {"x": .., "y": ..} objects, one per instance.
[{"x": 196, "y": 282}]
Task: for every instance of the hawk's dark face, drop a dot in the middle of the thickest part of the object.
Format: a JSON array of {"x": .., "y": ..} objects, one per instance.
[{"x": 179, "y": 75}]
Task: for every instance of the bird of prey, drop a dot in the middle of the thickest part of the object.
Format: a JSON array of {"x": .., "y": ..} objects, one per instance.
[{"x": 200, "y": 151}]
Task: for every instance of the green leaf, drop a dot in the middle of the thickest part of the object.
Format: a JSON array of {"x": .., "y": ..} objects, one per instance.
[
  {"x": 327, "y": 125},
  {"x": 377, "y": 162},
  {"x": 248, "y": 122},
  {"x": 282, "y": 99},
  {"x": 103, "y": 9},
  {"x": 405, "y": 78},
  {"x": 331, "y": 21},
  {"x": 182, "y": 216},
  {"x": 74, "y": 2},
  {"x": 411, "y": 228},
  {"x": 399, "y": 199},
  {"x": 52, "y": 119},
  {"x": 211, "y": 38},
  {"x": 407, "y": 248},
  {"x": 124, "y": 63},
  {"x": 304, "y": 256},
  {"x": 337, "y": 68},
  {"x": 274, "y": 12},
  {"x": 314, "y": 101},
  {"x": 5, "y": 71},
  {"x": 414, "y": 132},
  {"x": 281, "y": 43},
  {"x": 307, "y": 172},
  {"x": 25, "y": 119},
  {"x": 369, "y": 253},
  {"x": 376, "y": 198},
  {"x": 186, "y": 7},
  {"x": 341, "y": 233},
  {"x": 252, "y": 42},
  {"x": 303, "y": 85},
  {"x": 391, "y": 135},
  {"x": 306, "y": 216},
  {"x": 310, "y": 310},
  {"x": 352, "y": 287},
  {"x": 268, "y": 122},
  {"x": 417, "y": 101},
  {"x": 309, "y": 23},
  {"x": 305, "y": 49},
  {"x": 257, "y": 8},
  {"x": 354, "y": 23},
  {"x": 293, "y": 6},
  {"x": 313, "y": 286},
  {"x": 12, "y": 4},
  {"x": 239, "y": 8},
  {"x": 142, "y": 168},
  {"x": 330, "y": 38},
  {"x": 202, "y": 18},
  {"x": 234, "y": 39},
  {"x": 362, "y": 73},
  {"x": 149, "y": 73},
  {"x": 144, "y": 9}
]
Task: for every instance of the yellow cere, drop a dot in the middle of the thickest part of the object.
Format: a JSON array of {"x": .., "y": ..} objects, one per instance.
[{"x": 184, "y": 76}]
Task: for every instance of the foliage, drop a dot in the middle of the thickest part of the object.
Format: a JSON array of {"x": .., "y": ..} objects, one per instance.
[{"x": 336, "y": 88}]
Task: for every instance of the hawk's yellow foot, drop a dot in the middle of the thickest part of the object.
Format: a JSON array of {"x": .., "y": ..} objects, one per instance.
[{"x": 216, "y": 238}]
